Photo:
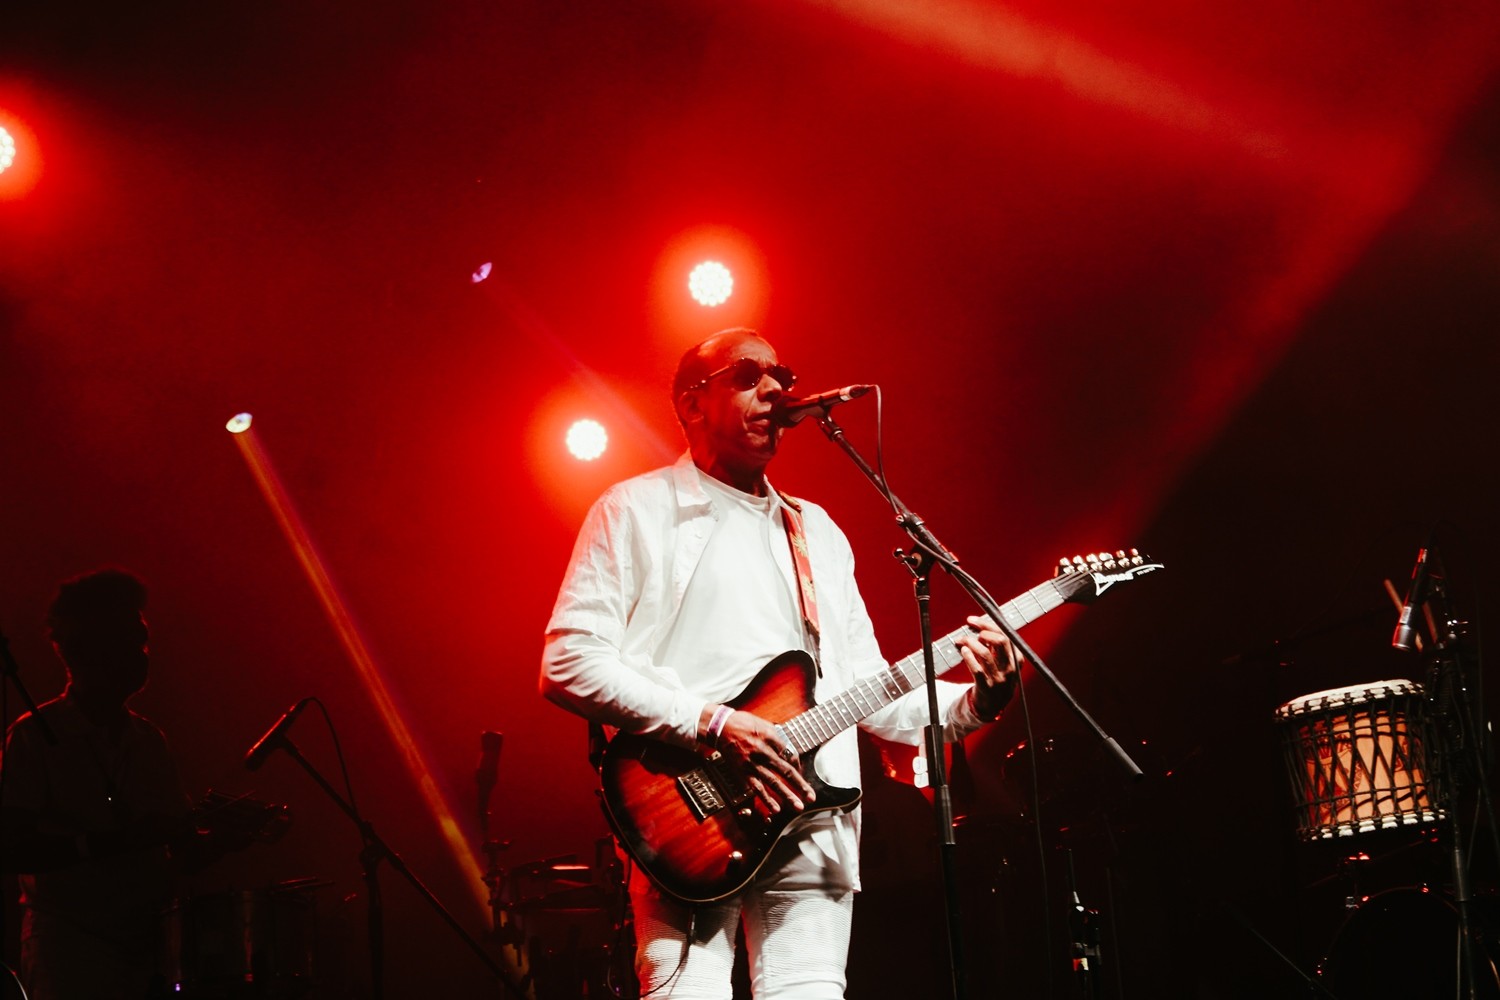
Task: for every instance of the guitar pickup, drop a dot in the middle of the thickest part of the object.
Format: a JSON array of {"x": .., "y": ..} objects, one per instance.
[{"x": 701, "y": 793}]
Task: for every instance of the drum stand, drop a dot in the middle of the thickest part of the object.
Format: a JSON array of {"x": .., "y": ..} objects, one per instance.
[{"x": 1085, "y": 945}]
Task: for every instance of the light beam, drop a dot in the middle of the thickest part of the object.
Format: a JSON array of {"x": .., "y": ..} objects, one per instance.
[{"x": 358, "y": 652}]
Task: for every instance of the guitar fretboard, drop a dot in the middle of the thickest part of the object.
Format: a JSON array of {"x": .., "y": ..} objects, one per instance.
[{"x": 821, "y": 723}]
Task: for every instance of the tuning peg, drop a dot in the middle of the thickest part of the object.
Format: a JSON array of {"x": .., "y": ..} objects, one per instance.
[{"x": 1119, "y": 555}]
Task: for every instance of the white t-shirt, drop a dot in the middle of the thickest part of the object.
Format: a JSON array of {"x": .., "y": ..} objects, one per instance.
[{"x": 740, "y": 607}]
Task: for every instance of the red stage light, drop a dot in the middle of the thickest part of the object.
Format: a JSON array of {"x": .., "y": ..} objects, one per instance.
[
  {"x": 587, "y": 440},
  {"x": 710, "y": 283},
  {"x": 20, "y": 157}
]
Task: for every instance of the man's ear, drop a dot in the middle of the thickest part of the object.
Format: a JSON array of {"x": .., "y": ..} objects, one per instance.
[{"x": 689, "y": 408}]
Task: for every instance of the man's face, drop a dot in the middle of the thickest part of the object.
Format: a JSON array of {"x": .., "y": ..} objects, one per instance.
[
  {"x": 733, "y": 419},
  {"x": 107, "y": 655}
]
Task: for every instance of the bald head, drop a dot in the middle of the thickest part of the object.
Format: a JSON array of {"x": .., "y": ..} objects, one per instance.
[
  {"x": 701, "y": 359},
  {"x": 722, "y": 395}
]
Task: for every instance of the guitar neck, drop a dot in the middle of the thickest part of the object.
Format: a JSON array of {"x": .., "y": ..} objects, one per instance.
[{"x": 821, "y": 723}]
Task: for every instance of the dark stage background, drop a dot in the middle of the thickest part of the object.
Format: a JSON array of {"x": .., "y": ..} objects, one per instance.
[{"x": 1221, "y": 281}]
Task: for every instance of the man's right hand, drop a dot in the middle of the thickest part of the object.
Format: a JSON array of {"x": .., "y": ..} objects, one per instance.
[{"x": 770, "y": 766}]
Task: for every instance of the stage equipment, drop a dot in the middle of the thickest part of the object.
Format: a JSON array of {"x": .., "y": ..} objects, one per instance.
[
  {"x": 711, "y": 283},
  {"x": 1405, "y": 636},
  {"x": 1403, "y": 944},
  {"x": 566, "y": 925},
  {"x": 486, "y": 774},
  {"x": 926, "y": 552},
  {"x": 274, "y": 737},
  {"x": 788, "y": 411},
  {"x": 690, "y": 824},
  {"x": 1358, "y": 760},
  {"x": 586, "y": 440},
  {"x": 258, "y": 943},
  {"x": 1401, "y": 755},
  {"x": 373, "y": 851}
]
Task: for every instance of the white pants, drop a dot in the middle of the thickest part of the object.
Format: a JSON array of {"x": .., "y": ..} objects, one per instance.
[{"x": 797, "y": 916}]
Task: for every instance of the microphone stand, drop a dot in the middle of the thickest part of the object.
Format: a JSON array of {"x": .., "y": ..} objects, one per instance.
[
  {"x": 929, "y": 550},
  {"x": 920, "y": 563},
  {"x": 12, "y": 670},
  {"x": 374, "y": 851},
  {"x": 1451, "y": 687}
]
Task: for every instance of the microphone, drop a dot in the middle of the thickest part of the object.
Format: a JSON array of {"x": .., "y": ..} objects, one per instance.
[
  {"x": 268, "y": 743},
  {"x": 1405, "y": 636},
  {"x": 788, "y": 411},
  {"x": 488, "y": 771}
]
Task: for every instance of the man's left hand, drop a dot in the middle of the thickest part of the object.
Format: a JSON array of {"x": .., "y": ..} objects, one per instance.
[{"x": 991, "y": 659}]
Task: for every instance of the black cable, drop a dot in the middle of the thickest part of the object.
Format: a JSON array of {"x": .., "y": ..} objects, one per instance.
[
  {"x": 687, "y": 943},
  {"x": 880, "y": 451},
  {"x": 952, "y": 566},
  {"x": 338, "y": 750},
  {"x": 626, "y": 917},
  {"x": 1041, "y": 839}
]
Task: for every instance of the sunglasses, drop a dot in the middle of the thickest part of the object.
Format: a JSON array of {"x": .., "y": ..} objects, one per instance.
[{"x": 746, "y": 373}]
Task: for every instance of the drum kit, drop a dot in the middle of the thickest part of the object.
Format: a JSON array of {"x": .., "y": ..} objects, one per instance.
[
  {"x": 560, "y": 928},
  {"x": 563, "y": 927},
  {"x": 242, "y": 943},
  {"x": 1398, "y": 755},
  {"x": 251, "y": 943}
]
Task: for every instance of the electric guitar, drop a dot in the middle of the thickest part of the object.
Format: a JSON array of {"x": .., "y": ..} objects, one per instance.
[{"x": 688, "y": 820}]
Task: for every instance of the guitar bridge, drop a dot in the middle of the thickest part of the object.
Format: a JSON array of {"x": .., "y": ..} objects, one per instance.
[{"x": 701, "y": 793}]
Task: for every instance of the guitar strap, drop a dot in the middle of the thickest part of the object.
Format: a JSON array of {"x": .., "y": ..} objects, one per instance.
[{"x": 807, "y": 595}]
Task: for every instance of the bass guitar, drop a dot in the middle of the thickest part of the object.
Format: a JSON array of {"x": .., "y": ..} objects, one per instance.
[{"x": 688, "y": 820}]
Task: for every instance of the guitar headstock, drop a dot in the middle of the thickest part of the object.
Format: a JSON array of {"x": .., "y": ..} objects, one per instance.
[{"x": 1084, "y": 578}]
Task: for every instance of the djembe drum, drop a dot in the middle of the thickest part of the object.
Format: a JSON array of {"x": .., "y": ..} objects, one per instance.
[{"x": 1358, "y": 759}]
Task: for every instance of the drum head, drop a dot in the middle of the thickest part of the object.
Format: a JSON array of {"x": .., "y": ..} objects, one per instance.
[
  {"x": 1354, "y": 694},
  {"x": 1404, "y": 944}
]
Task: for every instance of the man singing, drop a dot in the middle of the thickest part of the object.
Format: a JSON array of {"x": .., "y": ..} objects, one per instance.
[{"x": 683, "y": 584}]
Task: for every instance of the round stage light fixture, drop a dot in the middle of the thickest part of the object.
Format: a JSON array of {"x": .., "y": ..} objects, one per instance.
[
  {"x": 7, "y": 149},
  {"x": 710, "y": 283},
  {"x": 239, "y": 423},
  {"x": 587, "y": 440}
]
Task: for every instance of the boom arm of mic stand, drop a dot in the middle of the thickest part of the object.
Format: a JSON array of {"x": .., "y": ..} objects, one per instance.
[
  {"x": 924, "y": 538},
  {"x": 376, "y": 849}
]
